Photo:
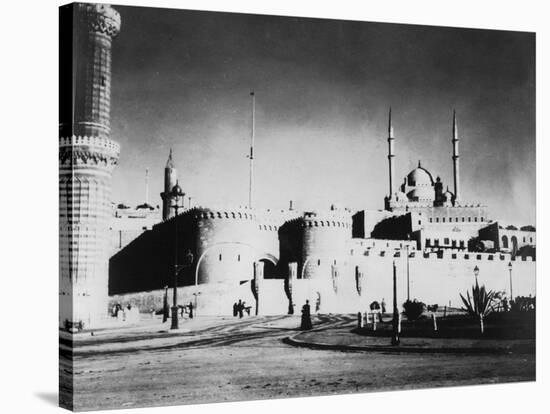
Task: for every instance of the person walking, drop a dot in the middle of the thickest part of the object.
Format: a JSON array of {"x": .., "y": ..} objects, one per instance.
[
  {"x": 306, "y": 317},
  {"x": 190, "y": 310},
  {"x": 166, "y": 307}
]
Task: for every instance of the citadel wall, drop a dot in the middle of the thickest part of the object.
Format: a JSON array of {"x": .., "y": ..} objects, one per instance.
[
  {"x": 325, "y": 239},
  {"x": 333, "y": 271}
]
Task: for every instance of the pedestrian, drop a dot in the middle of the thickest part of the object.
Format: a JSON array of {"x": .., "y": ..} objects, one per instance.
[
  {"x": 240, "y": 308},
  {"x": 235, "y": 309},
  {"x": 306, "y": 317},
  {"x": 383, "y": 305},
  {"x": 166, "y": 307},
  {"x": 190, "y": 310}
]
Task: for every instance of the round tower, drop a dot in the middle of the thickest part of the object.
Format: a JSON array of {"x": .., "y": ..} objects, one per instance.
[
  {"x": 87, "y": 157},
  {"x": 325, "y": 239},
  {"x": 227, "y": 244}
]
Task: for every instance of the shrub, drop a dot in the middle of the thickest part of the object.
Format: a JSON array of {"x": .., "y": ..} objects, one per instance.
[
  {"x": 413, "y": 309},
  {"x": 480, "y": 304}
]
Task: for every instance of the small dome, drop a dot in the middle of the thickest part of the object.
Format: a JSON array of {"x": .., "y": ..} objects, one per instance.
[
  {"x": 177, "y": 190},
  {"x": 419, "y": 177}
]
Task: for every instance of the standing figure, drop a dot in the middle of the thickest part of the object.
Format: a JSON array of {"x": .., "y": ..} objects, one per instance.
[
  {"x": 166, "y": 307},
  {"x": 306, "y": 317},
  {"x": 240, "y": 308},
  {"x": 190, "y": 310},
  {"x": 235, "y": 309},
  {"x": 383, "y": 305}
]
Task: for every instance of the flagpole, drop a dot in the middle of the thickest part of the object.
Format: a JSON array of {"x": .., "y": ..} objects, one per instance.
[{"x": 251, "y": 156}]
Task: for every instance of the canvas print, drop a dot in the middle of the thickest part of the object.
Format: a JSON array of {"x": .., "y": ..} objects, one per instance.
[{"x": 257, "y": 207}]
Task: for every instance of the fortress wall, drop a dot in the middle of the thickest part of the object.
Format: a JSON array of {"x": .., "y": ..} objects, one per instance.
[
  {"x": 323, "y": 297},
  {"x": 325, "y": 243},
  {"x": 433, "y": 280},
  {"x": 268, "y": 239},
  {"x": 227, "y": 244},
  {"x": 211, "y": 299},
  {"x": 440, "y": 280},
  {"x": 273, "y": 298}
]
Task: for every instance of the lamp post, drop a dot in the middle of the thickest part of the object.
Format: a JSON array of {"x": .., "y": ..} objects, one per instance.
[
  {"x": 510, "y": 270},
  {"x": 476, "y": 272},
  {"x": 177, "y": 194},
  {"x": 408, "y": 276},
  {"x": 395, "y": 321}
]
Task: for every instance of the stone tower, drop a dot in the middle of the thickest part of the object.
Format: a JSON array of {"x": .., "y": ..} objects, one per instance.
[
  {"x": 170, "y": 180},
  {"x": 456, "y": 165},
  {"x": 87, "y": 157}
]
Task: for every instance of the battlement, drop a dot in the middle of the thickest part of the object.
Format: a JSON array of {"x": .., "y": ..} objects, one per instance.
[
  {"x": 337, "y": 218},
  {"x": 205, "y": 213},
  {"x": 446, "y": 255},
  {"x": 90, "y": 141}
]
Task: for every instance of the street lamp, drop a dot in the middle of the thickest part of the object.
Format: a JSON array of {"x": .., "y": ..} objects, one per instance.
[
  {"x": 476, "y": 272},
  {"x": 408, "y": 275},
  {"x": 395, "y": 321},
  {"x": 177, "y": 194},
  {"x": 510, "y": 270}
]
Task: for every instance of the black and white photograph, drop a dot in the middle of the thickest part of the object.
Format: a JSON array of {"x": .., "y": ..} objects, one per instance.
[{"x": 257, "y": 207}]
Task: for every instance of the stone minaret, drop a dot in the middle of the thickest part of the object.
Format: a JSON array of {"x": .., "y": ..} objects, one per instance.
[
  {"x": 456, "y": 166},
  {"x": 170, "y": 179},
  {"x": 391, "y": 155},
  {"x": 87, "y": 157}
]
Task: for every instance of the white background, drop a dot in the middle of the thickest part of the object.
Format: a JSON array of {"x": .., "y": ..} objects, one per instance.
[{"x": 28, "y": 203}]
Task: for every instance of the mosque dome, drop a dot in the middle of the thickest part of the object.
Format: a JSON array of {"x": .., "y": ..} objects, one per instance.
[{"x": 420, "y": 177}]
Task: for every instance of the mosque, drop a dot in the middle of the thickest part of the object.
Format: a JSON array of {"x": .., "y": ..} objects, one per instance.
[{"x": 338, "y": 259}]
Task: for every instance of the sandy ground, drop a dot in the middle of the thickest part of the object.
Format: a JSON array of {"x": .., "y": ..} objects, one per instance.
[{"x": 231, "y": 360}]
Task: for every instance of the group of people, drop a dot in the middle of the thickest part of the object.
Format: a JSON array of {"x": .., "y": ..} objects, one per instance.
[
  {"x": 181, "y": 310},
  {"x": 126, "y": 313},
  {"x": 240, "y": 307}
]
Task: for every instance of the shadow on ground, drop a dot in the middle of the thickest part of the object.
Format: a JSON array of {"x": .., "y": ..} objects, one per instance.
[{"x": 51, "y": 398}]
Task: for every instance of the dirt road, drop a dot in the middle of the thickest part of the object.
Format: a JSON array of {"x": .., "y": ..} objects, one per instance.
[{"x": 246, "y": 359}]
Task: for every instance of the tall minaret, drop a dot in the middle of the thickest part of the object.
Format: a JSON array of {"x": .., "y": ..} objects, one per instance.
[
  {"x": 170, "y": 179},
  {"x": 456, "y": 156},
  {"x": 87, "y": 157},
  {"x": 391, "y": 155}
]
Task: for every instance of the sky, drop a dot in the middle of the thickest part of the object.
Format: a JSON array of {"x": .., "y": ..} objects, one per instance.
[{"x": 182, "y": 80}]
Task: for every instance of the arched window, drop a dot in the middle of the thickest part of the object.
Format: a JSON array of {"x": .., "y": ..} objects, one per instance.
[
  {"x": 514, "y": 241},
  {"x": 504, "y": 242}
]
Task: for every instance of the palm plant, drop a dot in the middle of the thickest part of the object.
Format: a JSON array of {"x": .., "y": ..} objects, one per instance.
[{"x": 480, "y": 303}]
